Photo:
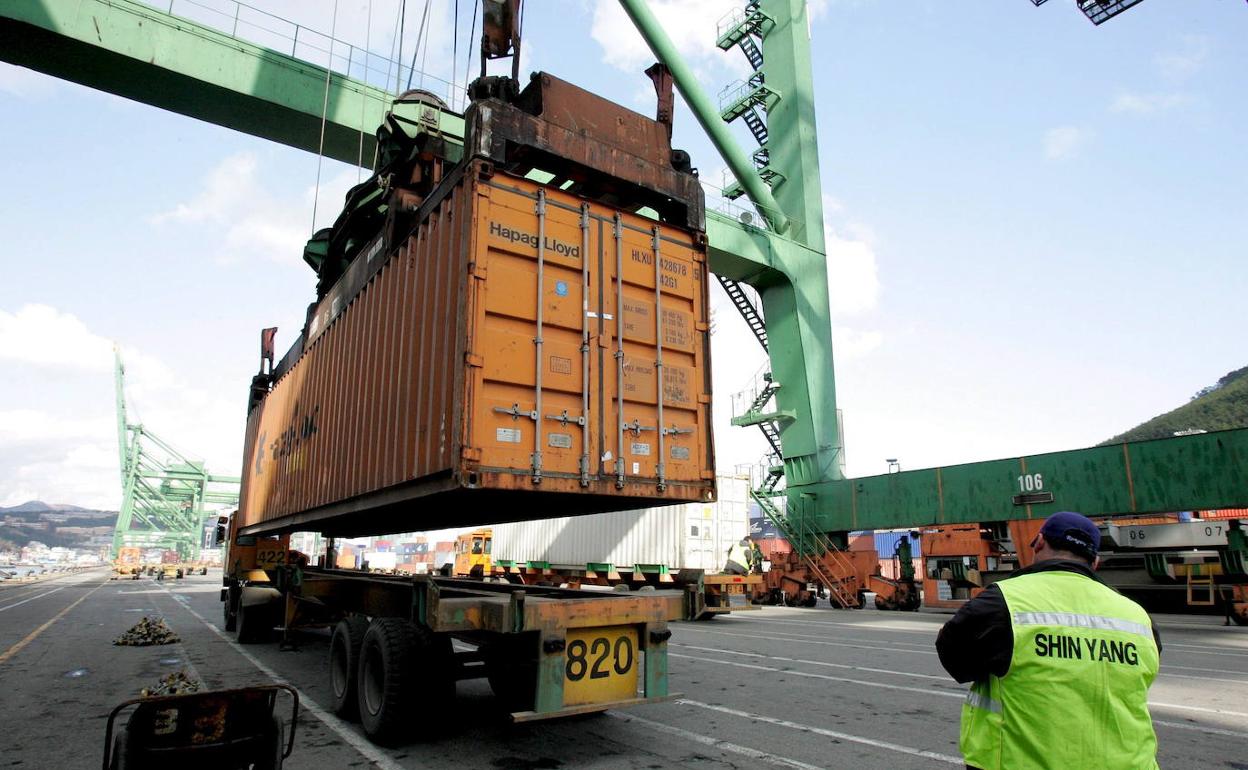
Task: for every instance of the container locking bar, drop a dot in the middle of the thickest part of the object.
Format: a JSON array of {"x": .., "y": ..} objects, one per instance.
[
  {"x": 658, "y": 351},
  {"x": 585, "y": 343},
  {"x": 618, "y": 232},
  {"x": 516, "y": 412},
  {"x": 537, "y": 341}
]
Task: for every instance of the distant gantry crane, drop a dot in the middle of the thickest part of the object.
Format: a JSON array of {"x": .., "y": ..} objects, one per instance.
[{"x": 163, "y": 492}]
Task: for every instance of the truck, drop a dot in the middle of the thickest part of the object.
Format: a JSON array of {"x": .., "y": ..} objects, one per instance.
[{"x": 549, "y": 276}]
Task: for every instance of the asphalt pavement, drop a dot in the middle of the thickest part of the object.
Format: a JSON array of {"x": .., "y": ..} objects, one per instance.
[{"x": 777, "y": 687}]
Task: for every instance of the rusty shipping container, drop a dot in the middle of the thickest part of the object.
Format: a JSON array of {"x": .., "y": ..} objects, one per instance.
[{"x": 523, "y": 353}]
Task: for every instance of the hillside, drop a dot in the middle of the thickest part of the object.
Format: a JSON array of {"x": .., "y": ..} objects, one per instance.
[
  {"x": 54, "y": 525},
  {"x": 1220, "y": 406}
]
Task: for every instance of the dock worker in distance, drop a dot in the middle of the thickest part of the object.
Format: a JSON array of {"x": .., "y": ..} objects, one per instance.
[
  {"x": 739, "y": 556},
  {"x": 1059, "y": 663}
]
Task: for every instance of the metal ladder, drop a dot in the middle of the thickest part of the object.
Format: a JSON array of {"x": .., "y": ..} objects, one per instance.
[{"x": 753, "y": 318}]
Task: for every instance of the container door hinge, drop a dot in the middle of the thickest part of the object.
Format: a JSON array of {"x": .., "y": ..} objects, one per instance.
[
  {"x": 471, "y": 454},
  {"x": 474, "y": 360}
]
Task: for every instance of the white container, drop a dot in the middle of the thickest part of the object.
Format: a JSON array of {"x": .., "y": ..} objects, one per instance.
[
  {"x": 686, "y": 536},
  {"x": 387, "y": 560}
]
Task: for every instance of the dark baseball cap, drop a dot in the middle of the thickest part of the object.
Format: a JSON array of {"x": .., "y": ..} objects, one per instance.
[{"x": 1074, "y": 532}]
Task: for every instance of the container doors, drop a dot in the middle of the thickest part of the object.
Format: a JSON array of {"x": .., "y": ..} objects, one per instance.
[
  {"x": 537, "y": 335},
  {"x": 590, "y": 345},
  {"x": 659, "y": 393}
]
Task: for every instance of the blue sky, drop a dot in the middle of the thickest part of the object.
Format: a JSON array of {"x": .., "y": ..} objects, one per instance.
[{"x": 1037, "y": 230}]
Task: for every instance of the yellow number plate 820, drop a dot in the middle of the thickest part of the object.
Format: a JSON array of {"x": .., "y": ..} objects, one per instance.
[{"x": 600, "y": 665}]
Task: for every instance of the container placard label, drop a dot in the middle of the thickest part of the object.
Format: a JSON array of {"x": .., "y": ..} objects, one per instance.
[
  {"x": 507, "y": 435},
  {"x": 676, "y": 382},
  {"x": 680, "y": 452},
  {"x": 641, "y": 450},
  {"x": 676, "y": 328},
  {"x": 638, "y": 322},
  {"x": 560, "y": 440}
]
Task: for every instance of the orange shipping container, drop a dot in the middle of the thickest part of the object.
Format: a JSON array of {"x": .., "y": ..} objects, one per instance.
[
  {"x": 523, "y": 354},
  {"x": 1225, "y": 513}
]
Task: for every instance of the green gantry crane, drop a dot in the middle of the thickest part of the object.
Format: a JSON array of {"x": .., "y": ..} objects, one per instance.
[
  {"x": 164, "y": 493},
  {"x": 143, "y": 53}
]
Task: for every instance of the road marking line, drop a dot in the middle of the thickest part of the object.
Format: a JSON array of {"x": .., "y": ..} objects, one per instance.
[
  {"x": 825, "y": 733},
  {"x": 960, "y": 694},
  {"x": 31, "y": 599},
  {"x": 848, "y": 626},
  {"x": 1195, "y": 668},
  {"x": 923, "y": 690},
  {"x": 341, "y": 728},
  {"x": 15, "y": 649},
  {"x": 706, "y": 740},
  {"x": 890, "y": 672},
  {"x": 1198, "y": 728},
  {"x": 811, "y": 640},
  {"x": 1197, "y": 708},
  {"x": 1192, "y": 649}
]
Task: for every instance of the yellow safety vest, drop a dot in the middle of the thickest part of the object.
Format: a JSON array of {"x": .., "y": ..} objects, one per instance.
[{"x": 1076, "y": 693}]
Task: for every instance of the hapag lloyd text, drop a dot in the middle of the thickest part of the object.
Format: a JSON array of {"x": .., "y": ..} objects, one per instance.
[{"x": 554, "y": 245}]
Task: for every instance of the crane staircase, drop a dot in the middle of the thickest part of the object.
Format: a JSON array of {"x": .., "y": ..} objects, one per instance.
[
  {"x": 749, "y": 99},
  {"x": 826, "y": 562}
]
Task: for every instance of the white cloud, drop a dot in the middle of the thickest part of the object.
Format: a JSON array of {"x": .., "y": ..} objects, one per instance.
[
  {"x": 853, "y": 271},
  {"x": 1065, "y": 141},
  {"x": 58, "y": 442},
  {"x": 690, "y": 23},
  {"x": 26, "y": 425},
  {"x": 42, "y": 336},
  {"x": 256, "y": 221},
  {"x": 1148, "y": 104},
  {"x": 851, "y": 344},
  {"x": 1183, "y": 64}
]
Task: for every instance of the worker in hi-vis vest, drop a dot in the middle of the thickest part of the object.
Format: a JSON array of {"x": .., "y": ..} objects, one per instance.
[
  {"x": 1059, "y": 663},
  {"x": 738, "y": 562}
]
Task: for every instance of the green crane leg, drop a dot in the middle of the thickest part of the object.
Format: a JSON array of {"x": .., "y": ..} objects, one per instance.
[{"x": 793, "y": 283}]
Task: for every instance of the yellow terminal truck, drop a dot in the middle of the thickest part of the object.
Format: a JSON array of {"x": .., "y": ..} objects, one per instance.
[
  {"x": 514, "y": 328},
  {"x": 472, "y": 553}
]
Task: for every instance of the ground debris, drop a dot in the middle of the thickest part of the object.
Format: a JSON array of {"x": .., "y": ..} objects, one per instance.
[
  {"x": 147, "y": 632},
  {"x": 177, "y": 683}
]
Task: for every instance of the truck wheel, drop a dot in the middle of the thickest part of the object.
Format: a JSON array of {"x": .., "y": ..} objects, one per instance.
[
  {"x": 344, "y": 665},
  {"x": 254, "y": 624},
  {"x": 405, "y": 681},
  {"x": 230, "y": 612}
]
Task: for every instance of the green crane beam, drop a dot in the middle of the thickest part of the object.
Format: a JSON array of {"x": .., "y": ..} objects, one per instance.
[{"x": 133, "y": 50}]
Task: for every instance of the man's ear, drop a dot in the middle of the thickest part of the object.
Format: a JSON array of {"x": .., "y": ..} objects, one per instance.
[{"x": 1096, "y": 562}]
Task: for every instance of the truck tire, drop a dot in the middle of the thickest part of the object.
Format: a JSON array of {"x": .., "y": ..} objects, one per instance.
[
  {"x": 230, "y": 612},
  {"x": 405, "y": 682},
  {"x": 344, "y": 665},
  {"x": 255, "y": 624}
]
